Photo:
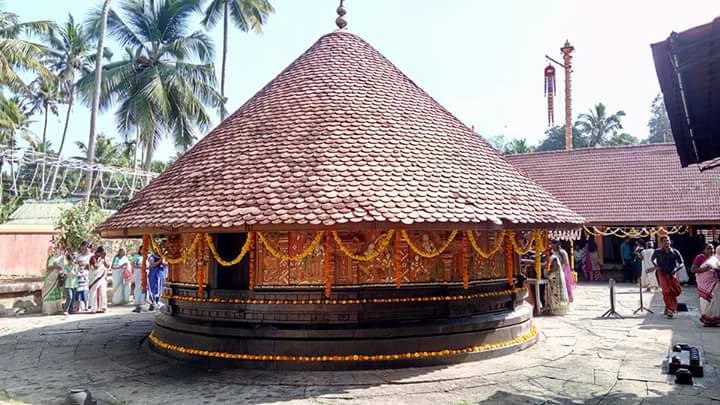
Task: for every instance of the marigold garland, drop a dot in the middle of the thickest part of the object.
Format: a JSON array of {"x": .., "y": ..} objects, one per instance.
[
  {"x": 327, "y": 266},
  {"x": 539, "y": 248},
  {"x": 342, "y": 301},
  {"x": 464, "y": 263},
  {"x": 428, "y": 255},
  {"x": 384, "y": 243},
  {"x": 492, "y": 252},
  {"x": 519, "y": 249},
  {"x": 298, "y": 257},
  {"x": 532, "y": 333},
  {"x": 185, "y": 252},
  {"x": 397, "y": 260},
  {"x": 243, "y": 251}
]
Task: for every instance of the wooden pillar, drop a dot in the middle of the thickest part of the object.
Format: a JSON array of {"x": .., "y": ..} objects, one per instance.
[
  {"x": 143, "y": 265},
  {"x": 600, "y": 242},
  {"x": 328, "y": 264},
  {"x": 539, "y": 247}
]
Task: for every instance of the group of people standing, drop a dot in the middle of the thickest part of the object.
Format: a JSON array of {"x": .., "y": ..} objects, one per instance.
[{"x": 78, "y": 282}]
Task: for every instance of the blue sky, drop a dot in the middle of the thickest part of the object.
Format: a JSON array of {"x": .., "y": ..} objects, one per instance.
[{"x": 482, "y": 60}]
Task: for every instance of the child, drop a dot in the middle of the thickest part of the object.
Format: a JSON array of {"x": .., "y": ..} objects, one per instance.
[
  {"x": 70, "y": 284},
  {"x": 82, "y": 288}
]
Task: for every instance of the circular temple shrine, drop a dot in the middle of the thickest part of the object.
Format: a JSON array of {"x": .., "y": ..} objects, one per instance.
[{"x": 342, "y": 218}]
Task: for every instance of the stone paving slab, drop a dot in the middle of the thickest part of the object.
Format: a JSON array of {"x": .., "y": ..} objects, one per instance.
[{"x": 579, "y": 358}]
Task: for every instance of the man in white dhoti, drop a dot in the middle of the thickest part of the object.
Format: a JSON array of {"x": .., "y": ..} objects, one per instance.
[{"x": 98, "y": 281}]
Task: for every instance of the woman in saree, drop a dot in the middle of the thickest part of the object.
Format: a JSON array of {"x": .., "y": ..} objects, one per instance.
[
  {"x": 705, "y": 266},
  {"x": 121, "y": 278},
  {"x": 98, "y": 281},
  {"x": 562, "y": 255},
  {"x": 51, "y": 290},
  {"x": 557, "y": 298}
]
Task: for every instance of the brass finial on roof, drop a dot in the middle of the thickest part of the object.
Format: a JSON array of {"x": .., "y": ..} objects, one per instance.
[{"x": 340, "y": 21}]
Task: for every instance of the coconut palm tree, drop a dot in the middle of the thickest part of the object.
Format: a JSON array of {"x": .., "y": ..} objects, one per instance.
[
  {"x": 44, "y": 98},
  {"x": 71, "y": 54},
  {"x": 517, "y": 146},
  {"x": 18, "y": 54},
  {"x": 95, "y": 106},
  {"x": 598, "y": 125},
  {"x": 13, "y": 121},
  {"x": 166, "y": 78},
  {"x": 245, "y": 14}
]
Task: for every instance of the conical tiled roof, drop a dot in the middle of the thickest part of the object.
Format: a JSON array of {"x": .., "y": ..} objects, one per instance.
[{"x": 340, "y": 136}]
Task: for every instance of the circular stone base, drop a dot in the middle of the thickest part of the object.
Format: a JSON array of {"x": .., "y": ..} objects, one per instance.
[{"x": 318, "y": 347}]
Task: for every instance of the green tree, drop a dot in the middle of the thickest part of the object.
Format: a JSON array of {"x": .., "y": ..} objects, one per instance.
[
  {"x": 659, "y": 123},
  {"x": 598, "y": 125},
  {"x": 517, "y": 146},
  {"x": 18, "y": 54},
  {"x": 107, "y": 152},
  {"x": 496, "y": 141},
  {"x": 14, "y": 121},
  {"x": 71, "y": 54},
  {"x": 44, "y": 98},
  {"x": 166, "y": 78},
  {"x": 245, "y": 14},
  {"x": 622, "y": 139},
  {"x": 555, "y": 139},
  {"x": 77, "y": 224}
]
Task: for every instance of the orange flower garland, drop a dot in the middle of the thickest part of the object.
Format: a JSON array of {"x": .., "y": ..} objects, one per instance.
[
  {"x": 464, "y": 262},
  {"x": 251, "y": 271},
  {"x": 347, "y": 301},
  {"x": 397, "y": 260},
  {"x": 328, "y": 266},
  {"x": 350, "y": 357},
  {"x": 486, "y": 255}
]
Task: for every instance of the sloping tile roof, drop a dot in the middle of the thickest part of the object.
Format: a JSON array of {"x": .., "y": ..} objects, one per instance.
[
  {"x": 340, "y": 136},
  {"x": 630, "y": 185},
  {"x": 691, "y": 95},
  {"x": 38, "y": 213}
]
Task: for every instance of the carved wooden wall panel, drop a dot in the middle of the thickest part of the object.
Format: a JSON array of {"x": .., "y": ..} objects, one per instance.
[
  {"x": 447, "y": 267},
  {"x": 198, "y": 260},
  {"x": 270, "y": 270},
  {"x": 310, "y": 270}
]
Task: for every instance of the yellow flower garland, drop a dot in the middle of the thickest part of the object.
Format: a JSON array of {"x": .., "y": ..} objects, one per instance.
[
  {"x": 349, "y": 357},
  {"x": 344, "y": 301},
  {"x": 521, "y": 250},
  {"x": 282, "y": 256},
  {"x": 243, "y": 251},
  {"x": 428, "y": 255},
  {"x": 384, "y": 243},
  {"x": 183, "y": 257},
  {"x": 492, "y": 252}
]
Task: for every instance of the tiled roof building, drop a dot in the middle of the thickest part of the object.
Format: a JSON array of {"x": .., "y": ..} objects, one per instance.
[
  {"x": 340, "y": 137},
  {"x": 627, "y": 185}
]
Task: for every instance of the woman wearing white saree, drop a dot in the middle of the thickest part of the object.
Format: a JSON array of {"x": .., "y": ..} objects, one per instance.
[
  {"x": 98, "y": 281},
  {"x": 557, "y": 295},
  {"x": 121, "y": 278}
]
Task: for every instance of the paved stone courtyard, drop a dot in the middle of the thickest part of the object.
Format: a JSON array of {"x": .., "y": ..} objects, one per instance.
[{"x": 580, "y": 358}]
